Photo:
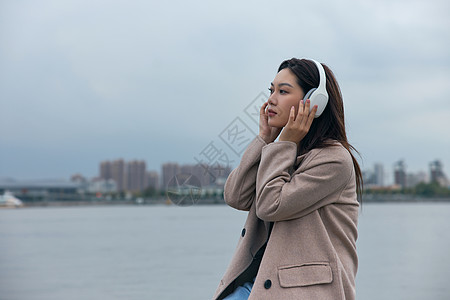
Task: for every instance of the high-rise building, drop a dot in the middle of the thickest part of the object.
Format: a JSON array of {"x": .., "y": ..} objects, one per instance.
[
  {"x": 379, "y": 174},
  {"x": 105, "y": 170},
  {"x": 118, "y": 173},
  {"x": 437, "y": 173},
  {"x": 136, "y": 176},
  {"x": 400, "y": 173},
  {"x": 129, "y": 176},
  {"x": 200, "y": 172},
  {"x": 169, "y": 170}
]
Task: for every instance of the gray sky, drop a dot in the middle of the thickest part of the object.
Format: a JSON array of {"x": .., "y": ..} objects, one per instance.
[{"x": 86, "y": 81}]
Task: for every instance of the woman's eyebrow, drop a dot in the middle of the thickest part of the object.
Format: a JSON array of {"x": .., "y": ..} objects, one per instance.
[
  {"x": 281, "y": 84},
  {"x": 285, "y": 83}
]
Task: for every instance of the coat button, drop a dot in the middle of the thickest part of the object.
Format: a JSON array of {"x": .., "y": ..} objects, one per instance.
[
  {"x": 267, "y": 284},
  {"x": 243, "y": 232}
]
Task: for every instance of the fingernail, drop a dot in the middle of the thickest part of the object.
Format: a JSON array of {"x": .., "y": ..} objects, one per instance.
[{"x": 307, "y": 101}]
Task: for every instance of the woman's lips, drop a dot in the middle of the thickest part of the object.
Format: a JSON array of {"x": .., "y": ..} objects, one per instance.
[{"x": 271, "y": 113}]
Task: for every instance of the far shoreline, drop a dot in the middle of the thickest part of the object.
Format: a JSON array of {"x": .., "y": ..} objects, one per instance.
[{"x": 369, "y": 198}]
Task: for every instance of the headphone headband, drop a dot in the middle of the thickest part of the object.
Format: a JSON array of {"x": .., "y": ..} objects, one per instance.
[{"x": 322, "y": 76}]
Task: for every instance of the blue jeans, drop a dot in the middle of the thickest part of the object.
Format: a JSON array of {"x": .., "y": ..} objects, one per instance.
[{"x": 241, "y": 292}]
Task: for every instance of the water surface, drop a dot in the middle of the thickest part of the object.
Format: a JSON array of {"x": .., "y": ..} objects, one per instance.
[{"x": 168, "y": 252}]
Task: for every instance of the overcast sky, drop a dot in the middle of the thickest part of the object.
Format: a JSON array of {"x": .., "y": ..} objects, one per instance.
[{"x": 86, "y": 81}]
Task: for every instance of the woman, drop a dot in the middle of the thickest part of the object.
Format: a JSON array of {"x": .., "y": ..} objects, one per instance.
[{"x": 301, "y": 193}]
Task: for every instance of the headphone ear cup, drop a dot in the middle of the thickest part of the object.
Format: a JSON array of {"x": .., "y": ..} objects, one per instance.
[{"x": 309, "y": 93}]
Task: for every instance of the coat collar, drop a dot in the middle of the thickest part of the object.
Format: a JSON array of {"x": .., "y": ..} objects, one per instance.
[{"x": 300, "y": 159}]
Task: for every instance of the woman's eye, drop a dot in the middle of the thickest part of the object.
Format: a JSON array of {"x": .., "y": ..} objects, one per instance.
[
  {"x": 283, "y": 92},
  {"x": 271, "y": 91}
]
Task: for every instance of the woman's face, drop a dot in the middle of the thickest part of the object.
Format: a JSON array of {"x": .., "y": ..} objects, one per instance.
[{"x": 284, "y": 93}]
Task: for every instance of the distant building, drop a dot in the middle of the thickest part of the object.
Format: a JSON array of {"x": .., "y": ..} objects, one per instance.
[
  {"x": 152, "y": 180},
  {"x": 220, "y": 173},
  {"x": 208, "y": 175},
  {"x": 169, "y": 170},
  {"x": 81, "y": 181},
  {"x": 105, "y": 170},
  {"x": 42, "y": 190},
  {"x": 379, "y": 174},
  {"x": 136, "y": 176},
  {"x": 413, "y": 179},
  {"x": 128, "y": 176},
  {"x": 78, "y": 178},
  {"x": 103, "y": 186},
  {"x": 375, "y": 177},
  {"x": 437, "y": 173},
  {"x": 113, "y": 170},
  {"x": 400, "y": 173},
  {"x": 368, "y": 178},
  {"x": 118, "y": 174},
  {"x": 200, "y": 172}
]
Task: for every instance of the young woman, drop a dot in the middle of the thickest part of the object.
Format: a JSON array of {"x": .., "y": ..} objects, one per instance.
[{"x": 301, "y": 194}]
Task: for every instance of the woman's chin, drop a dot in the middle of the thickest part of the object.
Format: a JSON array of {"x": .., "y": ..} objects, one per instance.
[{"x": 273, "y": 123}]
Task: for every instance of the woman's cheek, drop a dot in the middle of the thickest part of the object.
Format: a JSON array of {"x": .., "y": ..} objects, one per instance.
[
  {"x": 285, "y": 121},
  {"x": 284, "y": 118}
]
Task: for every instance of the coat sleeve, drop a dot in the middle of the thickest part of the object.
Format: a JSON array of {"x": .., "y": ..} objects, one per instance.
[
  {"x": 280, "y": 196},
  {"x": 240, "y": 187}
]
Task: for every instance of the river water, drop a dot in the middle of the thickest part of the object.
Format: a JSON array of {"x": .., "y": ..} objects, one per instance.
[{"x": 169, "y": 252}]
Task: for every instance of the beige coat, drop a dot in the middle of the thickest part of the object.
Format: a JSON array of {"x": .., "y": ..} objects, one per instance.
[{"x": 311, "y": 200}]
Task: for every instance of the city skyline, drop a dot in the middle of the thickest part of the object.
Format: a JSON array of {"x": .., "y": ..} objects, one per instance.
[
  {"x": 133, "y": 176},
  {"x": 377, "y": 173}
]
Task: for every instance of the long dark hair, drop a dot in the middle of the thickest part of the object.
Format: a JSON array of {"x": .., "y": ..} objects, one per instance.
[{"x": 331, "y": 124}]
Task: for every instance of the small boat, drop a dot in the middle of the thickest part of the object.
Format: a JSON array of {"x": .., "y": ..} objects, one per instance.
[{"x": 9, "y": 200}]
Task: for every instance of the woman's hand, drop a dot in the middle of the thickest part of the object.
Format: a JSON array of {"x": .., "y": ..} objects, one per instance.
[
  {"x": 266, "y": 132},
  {"x": 297, "y": 127}
]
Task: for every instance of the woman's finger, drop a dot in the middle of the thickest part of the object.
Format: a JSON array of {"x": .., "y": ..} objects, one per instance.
[
  {"x": 262, "y": 110},
  {"x": 263, "y": 118},
  {"x": 291, "y": 115},
  {"x": 311, "y": 116},
  {"x": 306, "y": 112},
  {"x": 300, "y": 108}
]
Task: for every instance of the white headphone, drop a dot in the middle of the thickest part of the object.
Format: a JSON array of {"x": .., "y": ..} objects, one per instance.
[{"x": 318, "y": 96}]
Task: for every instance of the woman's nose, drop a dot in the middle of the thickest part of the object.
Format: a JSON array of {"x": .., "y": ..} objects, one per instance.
[{"x": 272, "y": 100}]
